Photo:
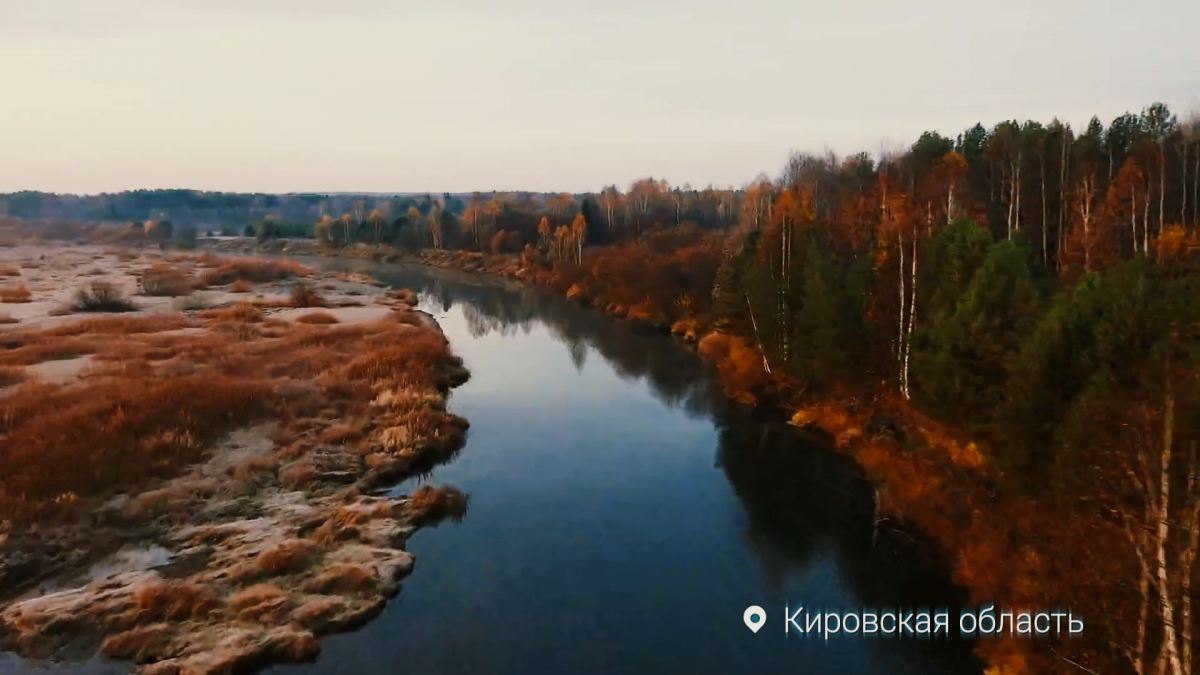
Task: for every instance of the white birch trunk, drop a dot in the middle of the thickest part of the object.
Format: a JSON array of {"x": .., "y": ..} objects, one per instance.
[
  {"x": 912, "y": 315},
  {"x": 1187, "y": 565},
  {"x": 1162, "y": 186},
  {"x": 1170, "y": 647},
  {"x": 1133, "y": 216},
  {"x": 900, "y": 350},
  {"x": 757, "y": 335},
  {"x": 1017, "y": 194}
]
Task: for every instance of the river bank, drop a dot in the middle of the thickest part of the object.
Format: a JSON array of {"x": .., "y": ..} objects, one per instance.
[
  {"x": 1008, "y": 551},
  {"x": 227, "y": 441}
]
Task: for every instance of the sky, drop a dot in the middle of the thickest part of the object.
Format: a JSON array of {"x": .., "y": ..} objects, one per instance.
[{"x": 547, "y": 95}]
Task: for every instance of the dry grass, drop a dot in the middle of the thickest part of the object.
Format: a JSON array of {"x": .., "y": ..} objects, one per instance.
[
  {"x": 9, "y": 271},
  {"x": 341, "y": 434},
  {"x": 167, "y": 281},
  {"x": 289, "y": 557},
  {"x": 428, "y": 504},
  {"x": 254, "y": 270},
  {"x": 100, "y": 296},
  {"x": 298, "y": 474},
  {"x": 316, "y": 613},
  {"x": 151, "y": 402},
  {"x": 15, "y": 293},
  {"x": 122, "y": 325},
  {"x": 11, "y": 375},
  {"x": 303, "y": 295},
  {"x": 112, "y": 435},
  {"x": 241, "y": 286},
  {"x": 253, "y": 468},
  {"x": 142, "y": 644},
  {"x": 414, "y": 362},
  {"x": 261, "y": 602},
  {"x": 317, "y": 318},
  {"x": 405, "y": 296},
  {"x": 343, "y": 579},
  {"x": 240, "y": 313},
  {"x": 174, "y": 600}
]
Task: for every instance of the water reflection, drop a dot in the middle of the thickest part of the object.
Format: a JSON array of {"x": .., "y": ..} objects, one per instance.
[{"x": 785, "y": 520}]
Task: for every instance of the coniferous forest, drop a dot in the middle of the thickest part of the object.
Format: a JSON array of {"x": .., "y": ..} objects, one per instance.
[{"x": 1026, "y": 294}]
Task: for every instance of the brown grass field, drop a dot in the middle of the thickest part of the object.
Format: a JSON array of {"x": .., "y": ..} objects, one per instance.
[{"x": 190, "y": 425}]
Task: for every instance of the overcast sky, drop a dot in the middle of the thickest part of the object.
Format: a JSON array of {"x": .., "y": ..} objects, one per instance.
[{"x": 461, "y": 95}]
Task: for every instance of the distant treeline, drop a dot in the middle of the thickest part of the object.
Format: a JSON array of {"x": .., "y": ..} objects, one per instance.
[{"x": 228, "y": 212}]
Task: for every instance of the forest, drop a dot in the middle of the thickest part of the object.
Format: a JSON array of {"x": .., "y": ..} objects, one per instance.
[{"x": 1030, "y": 287}]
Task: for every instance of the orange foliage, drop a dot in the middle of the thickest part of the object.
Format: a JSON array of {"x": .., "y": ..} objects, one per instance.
[{"x": 739, "y": 365}]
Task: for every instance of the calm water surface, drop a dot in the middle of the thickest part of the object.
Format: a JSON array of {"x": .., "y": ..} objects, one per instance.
[{"x": 624, "y": 514}]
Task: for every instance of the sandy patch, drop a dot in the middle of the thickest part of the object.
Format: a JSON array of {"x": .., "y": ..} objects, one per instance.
[{"x": 59, "y": 372}]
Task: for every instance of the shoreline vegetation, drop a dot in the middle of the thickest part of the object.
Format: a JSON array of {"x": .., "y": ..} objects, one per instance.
[
  {"x": 1001, "y": 328},
  {"x": 194, "y": 484}
]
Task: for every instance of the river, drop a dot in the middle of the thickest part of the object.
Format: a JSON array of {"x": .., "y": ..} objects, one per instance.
[{"x": 624, "y": 514}]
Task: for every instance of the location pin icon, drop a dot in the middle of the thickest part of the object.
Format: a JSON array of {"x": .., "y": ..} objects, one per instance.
[{"x": 754, "y": 617}]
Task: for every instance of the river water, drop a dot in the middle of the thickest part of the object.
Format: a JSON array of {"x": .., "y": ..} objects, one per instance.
[{"x": 624, "y": 514}]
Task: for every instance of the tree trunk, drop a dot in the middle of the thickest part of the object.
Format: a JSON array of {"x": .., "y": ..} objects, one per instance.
[
  {"x": 1196, "y": 189},
  {"x": 950, "y": 204},
  {"x": 1133, "y": 217},
  {"x": 1085, "y": 214},
  {"x": 1146, "y": 222},
  {"x": 1162, "y": 186},
  {"x": 900, "y": 349},
  {"x": 1045, "y": 223},
  {"x": 1017, "y": 194},
  {"x": 1187, "y": 564},
  {"x": 757, "y": 335},
  {"x": 1062, "y": 201},
  {"x": 1009, "y": 218},
  {"x": 1164, "y": 502},
  {"x": 912, "y": 314},
  {"x": 1138, "y": 537}
]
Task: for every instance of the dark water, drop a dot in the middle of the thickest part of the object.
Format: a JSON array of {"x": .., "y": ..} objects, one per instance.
[{"x": 624, "y": 514}]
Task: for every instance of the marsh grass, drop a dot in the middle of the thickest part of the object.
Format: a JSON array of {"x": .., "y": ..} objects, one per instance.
[
  {"x": 155, "y": 399},
  {"x": 256, "y": 270},
  {"x": 101, "y": 296},
  {"x": 165, "y": 280},
  {"x": 16, "y": 293}
]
